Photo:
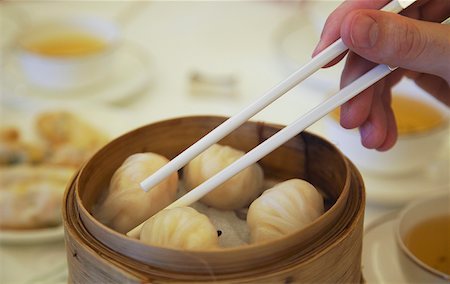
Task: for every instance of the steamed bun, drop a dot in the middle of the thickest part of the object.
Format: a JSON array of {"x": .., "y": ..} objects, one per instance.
[
  {"x": 126, "y": 205},
  {"x": 237, "y": 192},
  {"x": 287, "y": 207},
  {"x": 182, "y": 228}
]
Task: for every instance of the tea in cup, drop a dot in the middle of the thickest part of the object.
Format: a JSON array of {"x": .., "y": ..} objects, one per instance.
[
  {"x": 68, "y": 53},
  {"x": 423, "y": 134},
  {"x": 423, "y": 239}
]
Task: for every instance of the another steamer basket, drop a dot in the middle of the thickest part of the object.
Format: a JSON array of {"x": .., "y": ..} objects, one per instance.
[{"x": 328, "y": 250}]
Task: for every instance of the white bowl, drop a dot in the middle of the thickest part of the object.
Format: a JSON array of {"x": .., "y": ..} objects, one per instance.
[
  {"x": 412, "y": 153},
  {"x": 414, "y": 269},
  {"x": 67, "y": 70}
]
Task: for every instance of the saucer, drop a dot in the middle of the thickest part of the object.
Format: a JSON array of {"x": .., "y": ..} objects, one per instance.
[
  {"x": 131, "y": 73},
  {"x": 398, "y": 190},
  {"x": 379, "y": 254}
]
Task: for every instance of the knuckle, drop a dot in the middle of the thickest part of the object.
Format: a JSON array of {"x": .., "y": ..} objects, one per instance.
[{"x": 410, "y": 42}]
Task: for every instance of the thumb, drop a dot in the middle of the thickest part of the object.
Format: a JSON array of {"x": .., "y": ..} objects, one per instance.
[{"x": 396, "y": 40}]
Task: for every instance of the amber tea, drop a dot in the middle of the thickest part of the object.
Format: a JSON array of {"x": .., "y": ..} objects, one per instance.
[
  {"x": 67, "y": 42},
  {"x": 429, "y": 241},
  {"x": 412, "y": 115}
]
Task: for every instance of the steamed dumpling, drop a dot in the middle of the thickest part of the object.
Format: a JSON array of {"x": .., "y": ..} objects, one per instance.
[
  {"x": 237, "y": 192},
  {"x": 126, "y": 204},
  {"x": 287, "y": 207},
  {"x": 182, "y": 228}
]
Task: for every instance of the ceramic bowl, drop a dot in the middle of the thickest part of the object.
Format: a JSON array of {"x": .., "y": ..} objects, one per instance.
[
  {"x": 416, "y": 270},
  {"x": 67, "y": 53}
]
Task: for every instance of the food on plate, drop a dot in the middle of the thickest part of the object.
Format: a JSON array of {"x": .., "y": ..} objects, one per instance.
[
  {"x": 15, "y": 151},
  {"x": 30, "y": 196},
  {"x": 70, "y": 139},
  {"x": 237, "y": 192},
  {"x": 125, "y": 204},
  {"x": 181, "y": 228},
  {"x": 285, "y": 208},
  {"x": 34, "y": 172}
]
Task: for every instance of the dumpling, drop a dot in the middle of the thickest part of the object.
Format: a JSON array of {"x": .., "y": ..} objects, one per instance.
[
  {"x": 70, "y": 140},
  {"x": 237, "y": 192},
  {"x": 31, "y": 196},
  {"x": 126, "y": 205},
  {"x": 287, "y": 207},
  {"x": 182, "y": 228}
]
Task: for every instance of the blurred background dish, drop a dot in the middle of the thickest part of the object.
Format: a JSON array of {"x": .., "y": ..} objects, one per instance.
[
  {"x": 131, "y": 73},
  {"x": 40, "y": 149},
  {"x": 67, "y": 53},
  {"x": 38, "y": 236},
  {"x": 30, "y": 197}
]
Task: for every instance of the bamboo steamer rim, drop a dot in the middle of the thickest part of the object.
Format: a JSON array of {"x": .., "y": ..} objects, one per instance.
[
  {"x": 140, "y": 275},
  {"x": 336, "y": 208}
]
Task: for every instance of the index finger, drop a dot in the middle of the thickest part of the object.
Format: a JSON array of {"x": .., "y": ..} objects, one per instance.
[{"x": 331, "y": 29}]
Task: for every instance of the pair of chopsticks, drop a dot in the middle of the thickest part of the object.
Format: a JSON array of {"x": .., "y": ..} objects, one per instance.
[{"x": 280, "y": 137}]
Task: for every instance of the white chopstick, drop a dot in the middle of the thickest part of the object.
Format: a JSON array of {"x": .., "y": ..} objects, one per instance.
[
  {"x": 238, "y": 119},
  {"x": 284, "y": 135},
  {"x": 270, "y": 96}
]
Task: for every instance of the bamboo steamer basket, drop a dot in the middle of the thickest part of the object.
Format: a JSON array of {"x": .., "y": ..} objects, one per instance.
[{"x": 328, "y": 250}]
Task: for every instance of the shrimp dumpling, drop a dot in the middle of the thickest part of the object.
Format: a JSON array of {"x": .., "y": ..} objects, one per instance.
[
  {"x": 287, "y": 207},
  {"x": 126, "y": 205},
  {"x": 181, "y": 228},
  {"x": 235, "y": 193}
]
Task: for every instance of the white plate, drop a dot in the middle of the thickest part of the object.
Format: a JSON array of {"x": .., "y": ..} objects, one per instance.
[
  {"x": 31, "y": 236},
  {"x": 379, "y": 255},
  {"x": 129, "y": 75}
]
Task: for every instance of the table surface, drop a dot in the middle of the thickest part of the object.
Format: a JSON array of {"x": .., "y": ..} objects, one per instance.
[{"x": 244, "y": 42}]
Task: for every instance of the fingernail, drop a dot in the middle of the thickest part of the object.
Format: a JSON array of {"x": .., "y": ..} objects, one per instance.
[{"x": 364, "y": 31}]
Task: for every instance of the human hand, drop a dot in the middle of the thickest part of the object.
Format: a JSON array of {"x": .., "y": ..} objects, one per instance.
[{"x": 420, "y": 48}]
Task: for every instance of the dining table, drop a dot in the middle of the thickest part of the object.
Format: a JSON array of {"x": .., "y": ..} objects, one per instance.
[{"x": 186, "y": 58}]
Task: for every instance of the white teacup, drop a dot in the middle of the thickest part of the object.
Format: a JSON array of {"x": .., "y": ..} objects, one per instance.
[
  {"x": 414, "y": 268},
  {"x": 415, "y": 149},
  {"x": 49, "y": 61}
]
